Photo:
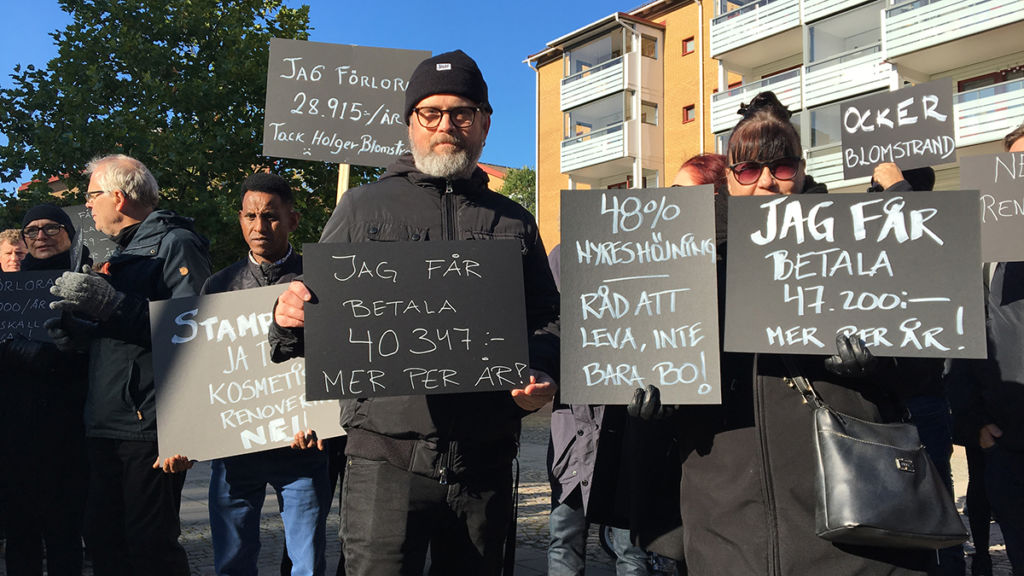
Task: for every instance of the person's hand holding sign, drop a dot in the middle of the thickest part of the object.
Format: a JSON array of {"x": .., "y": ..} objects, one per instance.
[
  {"x": 537, "y": 393},
  {"x": 288, "y": 313}
]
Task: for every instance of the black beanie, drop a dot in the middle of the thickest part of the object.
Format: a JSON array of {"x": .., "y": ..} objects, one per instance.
[
  {"x": 448, "y": 73},
  {"x": 49, "y": 212}
]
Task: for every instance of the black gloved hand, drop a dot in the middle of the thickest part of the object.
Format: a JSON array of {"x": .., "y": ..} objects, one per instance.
[
  {"x": 70, "y": 332},
  {"x": 853, "y": 358},
  {"x": 646, "y": 404},
  {"x": 21, "y": 352}
]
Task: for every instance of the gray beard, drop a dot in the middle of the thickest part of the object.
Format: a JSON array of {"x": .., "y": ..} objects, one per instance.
[{"x": 456, "y": 166}]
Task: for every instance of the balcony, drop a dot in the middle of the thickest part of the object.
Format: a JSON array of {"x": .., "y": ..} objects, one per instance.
[
  {"x": 987, "y": 114},
  {"x": 597, "y": 147},
  {"x": 825, "y": 165},
  {"x": 818, "y": 9},
  {"x": 601, "y": 80},
  {"x": 759, "y": 32},
  {"x": 932, "y": 36},
  {"x": 846, "y": 75},
  {"x": 725, "y": 104}
]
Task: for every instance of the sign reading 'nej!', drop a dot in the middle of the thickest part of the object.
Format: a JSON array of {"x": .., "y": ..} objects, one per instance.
[
  {"x": 218, "y": 393},
  {"x": 1000, "y": 180},
  {"x": 911, "y": 127},
  {"x": 337, "y": 103},
  {"x": 639, "y": 295},
  {"x": 902, "y": 272},
  {"x": 25, "y": 304},
  {"x": 414, "y": 318}
]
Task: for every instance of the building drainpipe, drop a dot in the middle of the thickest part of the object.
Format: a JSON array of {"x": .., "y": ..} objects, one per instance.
[{"x": 700, "y": 68}]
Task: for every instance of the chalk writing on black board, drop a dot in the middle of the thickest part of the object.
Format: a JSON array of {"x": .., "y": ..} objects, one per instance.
[
  {"x": 415, "y": 318},
  {"x": 25, "y": 304}
]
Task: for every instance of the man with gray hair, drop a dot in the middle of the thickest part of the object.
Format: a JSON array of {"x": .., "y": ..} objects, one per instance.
[{"x": 132, "y": 523}]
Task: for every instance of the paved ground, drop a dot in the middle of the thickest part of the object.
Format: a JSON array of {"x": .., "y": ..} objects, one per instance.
[{"x": 533, "y": 512}]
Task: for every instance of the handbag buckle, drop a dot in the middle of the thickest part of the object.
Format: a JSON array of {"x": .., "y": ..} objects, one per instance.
[{"x": 905, "y": 465}]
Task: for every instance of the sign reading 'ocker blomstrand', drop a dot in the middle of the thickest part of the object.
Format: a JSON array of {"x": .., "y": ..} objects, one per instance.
[{"x": 337, "y": 103}]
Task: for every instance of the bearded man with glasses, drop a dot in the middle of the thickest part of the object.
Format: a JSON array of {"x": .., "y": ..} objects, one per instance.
[{"x": 435, "y": 470}]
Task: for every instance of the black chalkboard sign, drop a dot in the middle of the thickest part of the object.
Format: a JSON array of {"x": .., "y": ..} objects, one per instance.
[
  {"x": 218, "y": 393},
  {"x": 414, "y": 318},
  {"x": 25, "y": 303},
  {"x": 1000, "y": 180},
  {"x": 100, "y": 246},
  {"x": 912, "y": 127},
  {"x": 639, "y": 295},
  {"x": 337, "y": 103},
  {"x": 903, "y": 272}
]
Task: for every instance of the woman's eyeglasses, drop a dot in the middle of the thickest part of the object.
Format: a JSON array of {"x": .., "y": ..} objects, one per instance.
[
  {"x": 50, "y": 230},
  {"x": 780, "y": 168}
]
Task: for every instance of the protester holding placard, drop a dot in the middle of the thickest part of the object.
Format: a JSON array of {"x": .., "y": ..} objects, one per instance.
[
  {"x": 436, "y": 470},
  {"x": 12, "y": 250},
  {"x": 42, "y": 395},
  {"x": 238, "y": 484},
  {"x": 747, "y": 492},
  {"x": 999, "y": 400},
  {"x": 132, "y": 523}
]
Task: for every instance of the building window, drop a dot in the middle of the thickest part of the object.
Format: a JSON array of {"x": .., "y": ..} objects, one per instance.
[
  {"x": 688, "y": 46},
  {"x": 979, "y": 82},
  {"x": 853, "y": 31},
  {"x": 649, "y": 46},
  {"x": 649, "y": 113},
  {"x": 689, "y": 113}
]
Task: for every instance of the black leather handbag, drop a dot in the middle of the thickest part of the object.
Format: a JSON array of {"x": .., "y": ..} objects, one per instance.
[{"x": 875, "y": 484}]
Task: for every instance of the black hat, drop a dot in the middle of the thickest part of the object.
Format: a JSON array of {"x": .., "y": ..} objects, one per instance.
[
  {"x": 448, "y": 73},
  {"x": 49, "y": 212}
]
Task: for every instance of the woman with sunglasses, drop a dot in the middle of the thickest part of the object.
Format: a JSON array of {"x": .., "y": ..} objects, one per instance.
[{"x": 747, "y": 496}]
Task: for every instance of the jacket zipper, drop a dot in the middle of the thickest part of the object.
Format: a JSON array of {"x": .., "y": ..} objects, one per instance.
[
  {"x": 448, "y": 212},
  {"x": 771, "y": 515}
]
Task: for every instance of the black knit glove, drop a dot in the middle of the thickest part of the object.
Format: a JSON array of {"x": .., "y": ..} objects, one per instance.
[{"x": 86, "y": 292}]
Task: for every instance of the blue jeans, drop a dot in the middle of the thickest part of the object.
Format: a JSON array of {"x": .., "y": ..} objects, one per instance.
[
  {"x": 930, "y": 414},
  {"x": 237, "y": 490},
  {"x": 567, "y": 546}
]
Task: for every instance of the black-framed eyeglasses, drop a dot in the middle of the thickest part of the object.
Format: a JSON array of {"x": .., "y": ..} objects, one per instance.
[
  {"x": 781, "y": 169},
  {"x": 51, "y": 230},
  {"x": 92, "y": 194},
  {"x": 460, "y": 116}
]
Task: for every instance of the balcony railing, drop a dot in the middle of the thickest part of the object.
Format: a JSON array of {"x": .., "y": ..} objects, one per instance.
[
  {"x": 987, "y": 114},
  {"x": 818, "y": 9},
  {"x": 602, "y": 145},
  {"x": 601, "y": 80},
  {"x": 725, "y": 104},
  {"x": 751, "y": 23},
  {"x": 825, "y": 165},
  {"x": 922, "y": 24},
  {"x": 846, "y": 75}
]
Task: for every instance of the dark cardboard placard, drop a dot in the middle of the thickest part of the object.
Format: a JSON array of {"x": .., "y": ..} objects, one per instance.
[
  {"x": 100, "y": 246},
  {"x": 414, "y": 318},
  {"x": 25, "y": 303},
  {"x": 903, "y": 271},
  {"x": 639, "y": 295},
  {"x": 912, "y": 127},
  {"x": 337, "y": 103},
  {"x": 1000, "y": 180},
  {"x": 217, "y": 392}
]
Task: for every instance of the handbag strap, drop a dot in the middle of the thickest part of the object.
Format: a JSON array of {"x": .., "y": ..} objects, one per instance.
[{"x": 802, "y": 384}]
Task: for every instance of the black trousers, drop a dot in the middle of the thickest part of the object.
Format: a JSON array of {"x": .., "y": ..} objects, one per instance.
[
  {"x": 132, "y": 524},
  {"x": 390, "y": 516}
]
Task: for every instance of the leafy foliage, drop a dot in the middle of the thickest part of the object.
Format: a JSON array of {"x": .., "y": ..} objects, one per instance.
[
  {"x": 521, "y": 186},
  {"x": 178, "y": 84}
]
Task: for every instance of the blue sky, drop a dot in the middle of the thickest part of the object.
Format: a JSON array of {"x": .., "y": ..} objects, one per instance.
[{"x": 498, "y": 34}]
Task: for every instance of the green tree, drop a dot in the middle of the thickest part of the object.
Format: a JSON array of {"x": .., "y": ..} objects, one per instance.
[
  {"x": 178, "y": 84},
  {"x": 521, "y": 186}
]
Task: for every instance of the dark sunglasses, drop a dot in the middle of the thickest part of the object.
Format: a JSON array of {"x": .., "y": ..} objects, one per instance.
[
  {"x": 780, "y": 168},
  {"x": 50, "y": 230}
]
